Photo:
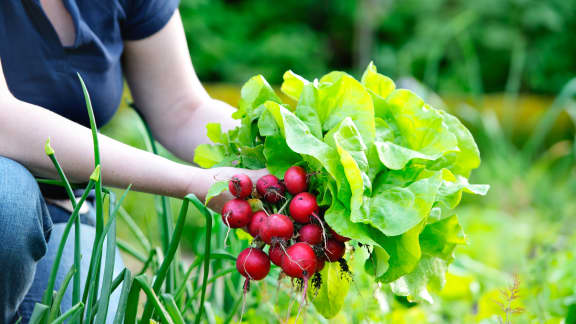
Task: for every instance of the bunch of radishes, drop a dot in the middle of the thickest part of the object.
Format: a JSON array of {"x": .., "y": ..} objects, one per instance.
[{"x": 300, "y": 241}]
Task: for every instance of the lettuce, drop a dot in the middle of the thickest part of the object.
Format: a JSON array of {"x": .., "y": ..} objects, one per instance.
[{"x": 389, "y": 168}]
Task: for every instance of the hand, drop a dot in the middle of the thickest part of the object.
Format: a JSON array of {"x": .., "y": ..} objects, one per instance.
[{"x": 225, "y": 174}]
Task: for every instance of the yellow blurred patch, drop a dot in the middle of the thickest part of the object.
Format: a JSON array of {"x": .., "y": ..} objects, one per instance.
[
  {"x": 414, "y": 315},
  {"x": 457, "y": 287},
  {"x": 241, "y": 234},
  {"x": 488, "y": 305}
]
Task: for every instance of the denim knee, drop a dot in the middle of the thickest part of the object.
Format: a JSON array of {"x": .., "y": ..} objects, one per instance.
[
  {"x": 24, "y": 219},
  {"x": 24, "y": 226}
]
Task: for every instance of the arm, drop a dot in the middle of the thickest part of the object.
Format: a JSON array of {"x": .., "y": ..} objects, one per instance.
[
  {"x": 168, "y": 93},
  {"x": 24, "y": 129}
]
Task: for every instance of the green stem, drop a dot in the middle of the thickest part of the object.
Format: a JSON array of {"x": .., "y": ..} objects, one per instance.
[
  {"x": 94, "y": 264},
  {"x": 547, "y": 120},
  {"x": 55, "y": 309},
  {"x": 124, "y": 294},
  {"x": 133, "y": 227},
  {"x": 77, "y": 246},
  {"x": 47, "y": 300},
  {"x": 196, "y": 263},
  {"x": 148, "y": 262},
  {"x": 517, "y": 63},
  {"x": 108, "y": 274},
  {"x": 215, "y": 277},
  {"x": 122, "y": 245},
  {"x": 234, "y": 310},
  {"x": 93, "y": 127},
  {"x": 168, "y": 258},
  {"x": 71, "y": 312},
  {"x": 89, "y": 293},
  {"x": 57, "y": 183},
  {"x": 208, "y": 217},
  {"x": 172, "y": 309},
  {"x": 154, "y": 301},
  {"x": 39, "y": 314}
]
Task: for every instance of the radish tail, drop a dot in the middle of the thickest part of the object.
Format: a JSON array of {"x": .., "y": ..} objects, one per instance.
[
  {"x": 245, "y": 292},
  {"x": 323, "y": 229},
  {"x": 304, "y": 299}
]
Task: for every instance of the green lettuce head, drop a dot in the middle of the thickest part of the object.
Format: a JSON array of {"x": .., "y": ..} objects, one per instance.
[{"x": 389, "y": 169}]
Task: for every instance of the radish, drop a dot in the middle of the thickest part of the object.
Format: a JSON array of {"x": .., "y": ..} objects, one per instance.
[
  {"x": 276, "y": 253},
  {"x": 258, "y": 219},
  {"x": 302, "y": 206},
  {"x": 270, "y": 188},
  {"x": 236, "y": 213},
  {"x": 240, "y": 185},
  {"x": 253, "y": 264},
  {"x": 299, "y": 261},
  {"x": 334, "y": 250},
  {"x": 311, "y": 234},
  {"x": 295, "y": 179},
  {"x": 338, "y": 237},
  {"x": 277, "y": 227}
]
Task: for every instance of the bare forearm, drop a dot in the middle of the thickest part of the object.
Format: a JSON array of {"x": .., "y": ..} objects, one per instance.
[
  {"x": 24, "y": 129},
  {"x": 188, "y": 128}
]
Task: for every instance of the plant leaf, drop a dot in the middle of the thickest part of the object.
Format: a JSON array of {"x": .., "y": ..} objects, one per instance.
[
  {"x": 376, "y": 82},
  {"x": 329, "y": 299},
  {"x": 293, "y": 84},
  {"x": 404, "y": 251},
  {"x": 206, "y": 155},
  {"x": 397, "y": 207},
  {"x": 216, "y": 189}
]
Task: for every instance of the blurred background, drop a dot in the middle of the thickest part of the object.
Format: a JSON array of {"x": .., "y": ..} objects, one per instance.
[{"x": 506, "y": 68}]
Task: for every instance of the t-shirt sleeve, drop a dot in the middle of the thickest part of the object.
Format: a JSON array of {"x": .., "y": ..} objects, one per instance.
[{"x": 146, "y": 17}]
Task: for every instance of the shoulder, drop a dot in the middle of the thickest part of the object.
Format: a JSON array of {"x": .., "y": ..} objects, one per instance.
[{"x": 145, "y": 17}]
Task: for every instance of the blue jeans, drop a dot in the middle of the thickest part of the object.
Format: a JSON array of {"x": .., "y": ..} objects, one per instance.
[{"x": 28, "y": 243}]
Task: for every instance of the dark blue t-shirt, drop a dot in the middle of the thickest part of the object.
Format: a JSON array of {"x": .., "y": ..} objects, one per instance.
[{"x": 39, "y": 70}]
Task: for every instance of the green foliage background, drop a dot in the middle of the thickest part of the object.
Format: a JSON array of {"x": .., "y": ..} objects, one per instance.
[{"x": 230, "y": 39}]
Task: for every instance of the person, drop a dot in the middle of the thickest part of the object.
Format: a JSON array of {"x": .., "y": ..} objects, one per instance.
[{"x": 43, "y": 44}]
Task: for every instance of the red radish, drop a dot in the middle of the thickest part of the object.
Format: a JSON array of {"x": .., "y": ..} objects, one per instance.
[
  {"x": 253, "y": 264},
  {"x": 338, "y": 237},
  {"x": 276, "y": 227},
  {"x": 240, "y": 185},
  {"x": 299, "y": 261},
  {"x": 236, "y": 213},
  {"x": 334, "y": 250},
  {"x": 276, "y": 253},
  {"x": 311, "y": 234},
  {"x": 270, "y": 188},
  {"x": 258, "y": 219},
  {"x": 295, "y": 180},
  {"x": 302, "y": 206}
]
